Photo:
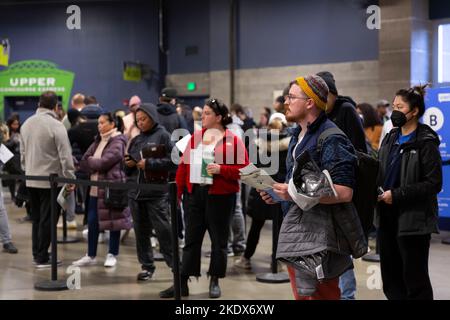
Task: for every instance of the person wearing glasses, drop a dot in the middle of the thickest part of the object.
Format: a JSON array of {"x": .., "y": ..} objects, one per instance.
[
  {"x": 309, "y": 235},
  {"x": 410, "y": 178},
  {"x": 210, "y": 206}
]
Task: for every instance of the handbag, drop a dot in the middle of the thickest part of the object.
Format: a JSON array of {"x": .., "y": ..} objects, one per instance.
[
  {"x": 116, "y": 198},
  {"x": 155, "y": 151}
]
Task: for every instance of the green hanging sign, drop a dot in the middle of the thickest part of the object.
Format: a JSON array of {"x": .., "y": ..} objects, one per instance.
[{"x": 32, "y": 77}]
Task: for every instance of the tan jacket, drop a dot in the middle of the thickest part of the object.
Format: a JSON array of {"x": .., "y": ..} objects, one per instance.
[{"x": 45, "y": 148}]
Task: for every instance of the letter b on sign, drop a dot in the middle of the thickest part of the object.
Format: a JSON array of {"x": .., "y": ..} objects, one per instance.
[{"x": 434, "y": 118}]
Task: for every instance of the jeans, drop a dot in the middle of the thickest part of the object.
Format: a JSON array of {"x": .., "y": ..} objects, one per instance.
[
  {"x": 5, "y": 235},
  {"x": 148, "y": 214},
  {"x": 236, "y": 238},
  {"x": 347, "y": 284},
  {"x": 93, "y": 231}
]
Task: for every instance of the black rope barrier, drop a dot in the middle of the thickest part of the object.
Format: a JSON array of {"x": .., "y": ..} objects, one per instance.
[{"x": 54, "y": 284}]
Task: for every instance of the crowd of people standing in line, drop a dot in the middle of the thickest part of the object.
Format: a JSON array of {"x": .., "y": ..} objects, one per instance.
[{"x": 91, "y": 143}]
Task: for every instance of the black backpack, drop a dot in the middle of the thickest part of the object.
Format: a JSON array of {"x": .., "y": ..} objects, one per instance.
[{"x": 365, "y": 192}]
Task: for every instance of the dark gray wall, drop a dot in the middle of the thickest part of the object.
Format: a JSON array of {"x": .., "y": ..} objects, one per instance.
[
  {"x": 110, "y": 33},
  {"x": 188, "y": 27},
  {"x": 439, "y": 9},
  {"x": 270, "y": 33}
]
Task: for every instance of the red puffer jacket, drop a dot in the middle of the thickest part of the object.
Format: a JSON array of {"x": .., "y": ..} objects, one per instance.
[{"x": 230, "y": 153}]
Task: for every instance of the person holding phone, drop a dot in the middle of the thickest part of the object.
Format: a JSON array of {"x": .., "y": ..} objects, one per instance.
[
  {"x": 149, "y": 208},
  {"x": 410, "y": 177},
  {"x": 103, "y": 162}
]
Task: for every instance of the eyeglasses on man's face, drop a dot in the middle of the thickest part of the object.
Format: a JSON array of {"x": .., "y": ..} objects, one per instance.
[{"x": 291, "y": 97}]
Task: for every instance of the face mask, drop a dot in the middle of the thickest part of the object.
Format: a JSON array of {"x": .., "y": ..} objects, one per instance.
[{"x": 398, "y": 118}]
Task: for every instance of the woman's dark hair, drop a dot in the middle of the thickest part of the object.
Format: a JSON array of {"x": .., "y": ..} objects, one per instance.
[
  {"x": 415, "y": 97},
  {"x": 237, "y": 109},
  {"x": 11, "y": 119},
  {"x": 118, "y": 122},
  {"x": 220, "y": 109},
  {"x": 371, "y": 118},
  {"x": 280, "y": 99}
]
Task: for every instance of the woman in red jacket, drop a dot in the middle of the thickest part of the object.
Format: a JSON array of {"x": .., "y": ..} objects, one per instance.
[{"x": 210, "y": 202}]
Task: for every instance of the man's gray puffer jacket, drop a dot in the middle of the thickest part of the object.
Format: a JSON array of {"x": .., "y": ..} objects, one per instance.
[{"x": 318, "y": 243}]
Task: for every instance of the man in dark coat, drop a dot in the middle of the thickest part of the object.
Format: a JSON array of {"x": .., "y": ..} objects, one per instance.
[
  {"x": 342, "y": 111},
  {"x": 167, "y": 113}
]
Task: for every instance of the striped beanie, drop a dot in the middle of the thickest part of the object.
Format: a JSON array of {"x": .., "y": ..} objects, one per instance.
[{"x": 315, "y": 88}]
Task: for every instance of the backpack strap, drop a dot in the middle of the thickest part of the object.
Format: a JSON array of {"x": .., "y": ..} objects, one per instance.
[{"x": 325, "y": 134}]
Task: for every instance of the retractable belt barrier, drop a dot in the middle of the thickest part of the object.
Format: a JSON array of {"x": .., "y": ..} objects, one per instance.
[{"x": 54, "y": 284}]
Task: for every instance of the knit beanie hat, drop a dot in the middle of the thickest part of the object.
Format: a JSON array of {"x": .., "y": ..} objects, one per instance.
[
  {"x": 329, "y": 80},
  {"x": 315, "y": 88}
]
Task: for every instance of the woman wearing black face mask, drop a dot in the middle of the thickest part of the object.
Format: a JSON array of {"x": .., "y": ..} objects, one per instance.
[{"x": 411, "y": 175}]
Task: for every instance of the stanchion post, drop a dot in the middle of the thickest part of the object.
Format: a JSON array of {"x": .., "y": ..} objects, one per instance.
[
  {"x": 53, "y": 221},
  {"x": 176, "y": 255},
  {"x": 274, "y": 276},
  {"x": 275, "y": 230},
  {"x": 53, "y": 284}
]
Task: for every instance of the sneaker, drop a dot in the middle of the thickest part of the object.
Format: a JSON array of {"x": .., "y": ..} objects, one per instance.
[
  {"x": 9, "y": 248},
  {"x": 85, "y": 261},
  {"x": 110, "y": 260},
  {"x": 243, "y": 263},
  {"x": 47, "y": 264},
  {"x": 145, "y": 275}
]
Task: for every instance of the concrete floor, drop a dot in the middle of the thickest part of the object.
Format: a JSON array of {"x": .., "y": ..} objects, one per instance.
[{"x": 17, "y": 274}]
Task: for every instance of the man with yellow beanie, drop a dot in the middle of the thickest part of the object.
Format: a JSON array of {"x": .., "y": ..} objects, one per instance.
[{"x": 317, "y": 241}]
